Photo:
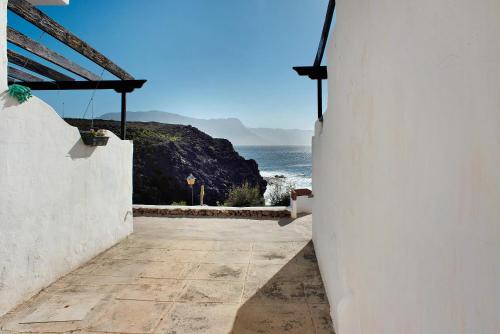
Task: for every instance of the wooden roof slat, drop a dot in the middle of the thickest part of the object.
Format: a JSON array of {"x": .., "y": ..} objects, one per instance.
[
  {"x": 22, "y": 61},
  {"x": 33, "y": 15},
  {"x": 121, "y": 86},
  {"x": 21, "y": 75},
  {"x": 325, "y": 33},
  {"x": 42, "y": 51}
]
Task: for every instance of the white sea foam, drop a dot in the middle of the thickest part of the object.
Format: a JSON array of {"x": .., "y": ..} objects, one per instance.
[
  {"x": 297, "y": 180},
  {"x": 301, "y": 165}
]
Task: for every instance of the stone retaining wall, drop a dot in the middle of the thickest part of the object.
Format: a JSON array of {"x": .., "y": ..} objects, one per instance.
[{"x": 194, "y": 211}]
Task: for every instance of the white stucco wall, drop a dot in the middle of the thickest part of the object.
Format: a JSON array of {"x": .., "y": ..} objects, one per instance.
[
  {"x": 61, "y": 202},
  {"x": 406, "y": 171},
  {"x": 303, "y": 204}
]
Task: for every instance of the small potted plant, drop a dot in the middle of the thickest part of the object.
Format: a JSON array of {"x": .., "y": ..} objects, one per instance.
[{"x": 94, "y": 138}]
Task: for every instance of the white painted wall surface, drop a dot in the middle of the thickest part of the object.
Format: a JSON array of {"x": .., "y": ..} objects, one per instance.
[
  {"x": 61, "y": 202},
  {"x": 303, "y": 204},
  {"x": 406, "y": 171}
]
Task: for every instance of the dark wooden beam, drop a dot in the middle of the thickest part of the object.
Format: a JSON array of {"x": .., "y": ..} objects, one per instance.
[
  {"x": 123, "y": 130},
  {"x": 21, "y": 75},
  {"x": 318, "y": 72},
  {"x": 33, "y": 15},
  {"x": 312, "y": 72},
  {"x": 320, "y": 100},
  {"x": 120, "y": 86},
  {"x": 324, "y": 34},
  {"x": 20, "y": 60},
  {"x": 23, "y": 41}
]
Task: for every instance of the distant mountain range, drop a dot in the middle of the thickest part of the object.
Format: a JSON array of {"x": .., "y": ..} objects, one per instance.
[{"x": 228, "y": 128}]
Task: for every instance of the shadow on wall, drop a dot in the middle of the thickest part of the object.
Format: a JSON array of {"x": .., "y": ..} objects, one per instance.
[
  {"x": 81, "y": 151},
  {"x": 9, "y": 101},
  {"x": 287, "y": 298}
]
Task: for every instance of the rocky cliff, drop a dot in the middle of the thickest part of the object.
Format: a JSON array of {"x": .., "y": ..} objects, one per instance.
[{"x": 165, "y": 154}]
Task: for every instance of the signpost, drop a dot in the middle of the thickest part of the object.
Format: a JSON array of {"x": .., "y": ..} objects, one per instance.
[{"x": 190, "y": 181}]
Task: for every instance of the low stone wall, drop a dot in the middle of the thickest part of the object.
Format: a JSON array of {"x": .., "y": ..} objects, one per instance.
[{"x": 210, "y": 211}]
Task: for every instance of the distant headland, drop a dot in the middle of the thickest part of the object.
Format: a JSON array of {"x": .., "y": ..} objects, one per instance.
[{"x": 231, "y": 129}]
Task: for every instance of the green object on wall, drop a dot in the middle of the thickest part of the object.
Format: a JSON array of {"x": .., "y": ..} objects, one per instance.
[{"x": 21, "y": 93}]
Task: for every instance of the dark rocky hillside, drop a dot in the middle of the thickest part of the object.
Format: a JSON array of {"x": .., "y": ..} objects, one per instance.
[{"x": 165, "y": 154}]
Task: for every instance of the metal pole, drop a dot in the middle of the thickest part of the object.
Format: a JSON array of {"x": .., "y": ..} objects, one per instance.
[
  {"x": 124, "y": 116},
  {"x": 320, "y": 100},
  {"x": 202, "y": 194}
]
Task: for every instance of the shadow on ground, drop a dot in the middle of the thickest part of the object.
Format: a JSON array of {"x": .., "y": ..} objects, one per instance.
[
  {"x": 284, "y": 298},
  {"x": 288, "y": 220}
]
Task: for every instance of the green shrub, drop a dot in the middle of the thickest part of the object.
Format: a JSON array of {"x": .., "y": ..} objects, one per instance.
[
  {"x": 244, "y": 195},
  {"x": 279, "y": 194},
  {"x": 180, "y": 203}
]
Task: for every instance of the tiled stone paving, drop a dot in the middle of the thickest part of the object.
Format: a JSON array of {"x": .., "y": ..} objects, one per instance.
[{"x": 184, "y": 275}]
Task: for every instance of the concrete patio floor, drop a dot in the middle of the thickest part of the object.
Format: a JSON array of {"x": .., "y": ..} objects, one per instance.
[{"x": 186, "y": 275}]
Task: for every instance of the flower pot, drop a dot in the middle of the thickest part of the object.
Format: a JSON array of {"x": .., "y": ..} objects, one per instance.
[{"x": 93, "y": 140}]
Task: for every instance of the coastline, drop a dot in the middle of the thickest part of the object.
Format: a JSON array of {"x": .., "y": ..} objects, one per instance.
[{"x": 285, "y": 164}]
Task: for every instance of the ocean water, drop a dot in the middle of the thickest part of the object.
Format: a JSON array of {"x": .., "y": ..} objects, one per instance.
[{"x": 293, "y": 162}]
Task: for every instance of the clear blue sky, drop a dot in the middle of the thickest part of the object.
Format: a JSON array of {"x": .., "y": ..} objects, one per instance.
[{"x": 202, "y": 58}]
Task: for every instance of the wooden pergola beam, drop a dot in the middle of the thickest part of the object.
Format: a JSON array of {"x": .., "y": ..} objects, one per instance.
[
  {"x": 22, "y": 61},
  {"x": 33, "y": 15},
  {"x": 120, "y": 86},
  {"x": 21, "y": 75},
  {"x": 324, "y": 34},
  {"x": 23, "y": 41},
  {"x": 314, "y": 73},
  {"x": 318, "y": 72}
]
